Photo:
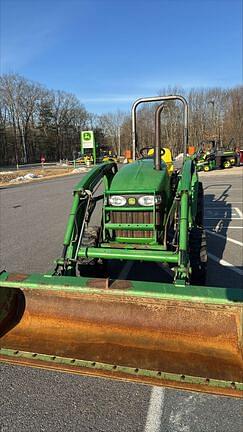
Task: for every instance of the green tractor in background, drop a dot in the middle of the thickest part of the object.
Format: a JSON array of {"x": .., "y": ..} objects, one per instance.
[
  {"x": 206, "y": 162},
  {"x": 78, "y": 319},
  {"x": 211, "y": 157}
]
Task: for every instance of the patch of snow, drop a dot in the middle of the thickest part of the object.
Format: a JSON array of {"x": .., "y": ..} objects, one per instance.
[
  {"x": 80, "y": 170},
  {"x": 17, "y": 179},
  {"x": 30, "y": 176},
  {"x": 26, "y": 177},
  {"x": 6, "y": 172}
]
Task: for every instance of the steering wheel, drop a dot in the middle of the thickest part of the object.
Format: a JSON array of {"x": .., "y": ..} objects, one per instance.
[{"x": 146, "y": 149}]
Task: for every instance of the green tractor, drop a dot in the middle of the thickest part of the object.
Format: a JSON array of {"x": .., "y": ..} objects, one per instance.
[
  {"x": 148, "y": 215},
  {"x": 206, "y": 162},
  {"x": 215, "y": 158},
  {"x": 226, "y": 158},
  {"x": 78, "y": 319}
]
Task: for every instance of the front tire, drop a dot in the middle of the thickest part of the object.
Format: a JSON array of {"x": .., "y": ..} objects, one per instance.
[
  {"x": 198, "y": 256},
  {"x": 227, "y": 164},
  {"x": 198, "y": 244},
  {"x": 200, "y": 205},
  {"x": 91, "y": 267}
]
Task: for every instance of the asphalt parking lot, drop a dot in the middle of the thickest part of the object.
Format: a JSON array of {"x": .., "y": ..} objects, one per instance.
[{"x": 32, "y": 224}]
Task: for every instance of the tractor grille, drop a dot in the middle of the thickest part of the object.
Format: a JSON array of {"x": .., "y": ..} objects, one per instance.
[{"x": 136, "y": 217}]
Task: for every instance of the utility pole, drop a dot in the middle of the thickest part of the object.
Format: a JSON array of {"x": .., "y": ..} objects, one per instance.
[
  {"x": 24, "y": 144},
  {"x": 213, "y": 116}
]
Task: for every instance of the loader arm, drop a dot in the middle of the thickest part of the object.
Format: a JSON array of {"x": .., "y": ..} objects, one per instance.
[{"x": 82, "y": 207}]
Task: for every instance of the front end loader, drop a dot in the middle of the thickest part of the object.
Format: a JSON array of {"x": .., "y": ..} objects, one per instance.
[{"x": 80, "y": 320}]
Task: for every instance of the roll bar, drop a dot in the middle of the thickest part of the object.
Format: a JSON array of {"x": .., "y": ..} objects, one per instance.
[{"x": 159, "y": 99}]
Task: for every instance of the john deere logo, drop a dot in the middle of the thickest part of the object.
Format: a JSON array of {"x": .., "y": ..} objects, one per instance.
[{"x": 87, "y": 136}]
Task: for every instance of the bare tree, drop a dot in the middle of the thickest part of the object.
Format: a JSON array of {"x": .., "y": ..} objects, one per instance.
[
  {"x": 20, "y": 98},
  {"x": 111, "y": 124}
]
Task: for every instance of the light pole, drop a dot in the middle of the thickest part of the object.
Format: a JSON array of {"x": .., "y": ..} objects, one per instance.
[{"x": 213, "y": 116}]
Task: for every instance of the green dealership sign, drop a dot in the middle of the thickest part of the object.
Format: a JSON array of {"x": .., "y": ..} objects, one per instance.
[{"x": 87, "y": 139}]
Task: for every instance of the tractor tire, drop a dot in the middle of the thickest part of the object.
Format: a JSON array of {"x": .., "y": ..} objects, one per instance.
[
  {"x": 91, "y": 267},
  {"x": 200, "y": 205},
  {"x": 198, "y": 256},
  {"x": 90, "y": 236},
  {"x": 206, "y": 168},
  {"x": 227, "y": 164}
]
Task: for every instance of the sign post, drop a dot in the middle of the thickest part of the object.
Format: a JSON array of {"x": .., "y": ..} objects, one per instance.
[
  {"x": 74, "y": 159},
  {"x": 43, "y": 159},
  {"x": 88, "y": 142}
]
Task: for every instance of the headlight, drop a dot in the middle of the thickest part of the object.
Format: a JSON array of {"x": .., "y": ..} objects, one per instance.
[
  {"x": 117, "y": 201},
  {"x": 149, "y": 200}
]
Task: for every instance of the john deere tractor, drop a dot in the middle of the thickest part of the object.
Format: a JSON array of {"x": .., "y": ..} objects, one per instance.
[
  {"x": 80, "y": 320},
  {"x": 206, "y": 162},
  {"x": 215, "y": 158},
  {"x": 149, "y": 214}
]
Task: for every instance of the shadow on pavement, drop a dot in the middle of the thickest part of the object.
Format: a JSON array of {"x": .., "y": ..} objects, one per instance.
[{"x": 217, "y": 217}]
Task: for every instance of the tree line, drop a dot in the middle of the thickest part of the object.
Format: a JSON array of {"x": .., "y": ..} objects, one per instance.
[
  {"x": 214, "y": 114},
  {"x": 36, "y": 121}
]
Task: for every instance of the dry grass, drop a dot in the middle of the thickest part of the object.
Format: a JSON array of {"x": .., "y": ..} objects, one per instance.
[{"x": 5, "y": 179}]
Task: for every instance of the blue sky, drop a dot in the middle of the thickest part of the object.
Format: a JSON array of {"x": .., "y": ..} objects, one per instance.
[{"x": 110, "y": 52}]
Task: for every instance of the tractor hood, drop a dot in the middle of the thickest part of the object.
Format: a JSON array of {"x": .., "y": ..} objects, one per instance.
[{"x": 140, "y": 177}]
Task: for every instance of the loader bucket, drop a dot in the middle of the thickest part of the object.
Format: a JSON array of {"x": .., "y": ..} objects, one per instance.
[{"x": 185, "y": 337}]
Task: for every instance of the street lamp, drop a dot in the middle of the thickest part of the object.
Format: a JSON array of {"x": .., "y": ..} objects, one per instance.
[{"x": 212, "y": 102}]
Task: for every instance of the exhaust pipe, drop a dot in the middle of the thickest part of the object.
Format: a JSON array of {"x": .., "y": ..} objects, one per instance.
[{"x": 157, "y": 150}]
